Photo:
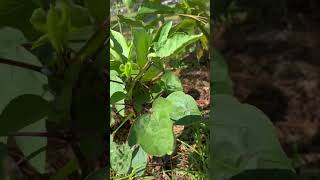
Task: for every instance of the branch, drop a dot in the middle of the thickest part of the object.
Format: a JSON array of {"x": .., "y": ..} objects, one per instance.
[
  {"x": 40, "y": 134},
  {"x": 21, "y": 64}
]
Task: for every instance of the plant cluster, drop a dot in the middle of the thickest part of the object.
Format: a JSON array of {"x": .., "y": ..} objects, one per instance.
[{"x": 144, "y": 88}]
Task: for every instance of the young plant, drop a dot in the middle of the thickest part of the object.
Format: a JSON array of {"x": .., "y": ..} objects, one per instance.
[{"x": 145, "y": 90}]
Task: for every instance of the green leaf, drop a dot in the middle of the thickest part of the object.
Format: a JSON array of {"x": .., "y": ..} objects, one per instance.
[
  {"x": 66, "y": 170},
  {"x": 221, "y": 82},
  {"x": 29, "y": 145},
  {"x": 183, "y": 104},
  {"x": 128, "y": 3},
  {"x": 100, "y": 174},
  {"x": 98, "y": 9},
  {"x": 39, "y": 20},
  {"x": 131, "y": 21},
  {"x": 153, "y": 8},
  {"x": 153, "y": 131},
  {"x": 119, "y": 47},
  {"x": 171, "y": 82},
  {"x": 163, "y": 33},
  {"x": 141, "y": 41},
  {"x": 120, "y": 159},
  {"x": 19, "y": 114},
  {"x": 16, "y": 14},
  {"x": 155, "y": 69},
  {"x": 174, "y": 44},
  {"x": 18, "y": 81},
  {"x": 242, "y": 138},
  {"x": 139, "y": 161},
  {"x": 116, "y": 89}
]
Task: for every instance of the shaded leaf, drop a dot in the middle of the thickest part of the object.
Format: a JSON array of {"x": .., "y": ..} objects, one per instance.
[
  {"x": 242, "y": 138},
  {"x": 29, "y": 145},
  {"x": 98, "y": 9},
  {"x": 16, "y": 14},
  {"x": 19, "y": 113}
]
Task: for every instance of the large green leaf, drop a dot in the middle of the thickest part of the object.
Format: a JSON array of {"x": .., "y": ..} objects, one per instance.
[
  {"x": 16, "y": 14},
  {"x": 98, "y": 9},
  {"x": 174, "y": 44},
  {"x": 141, "y": 41},
  {"x": 220, "y": 80},
  {"x": 153, "y": 131},
  {"x": 29, "y": 145},
  {"x": 184, "y": 106},
  {"x": 242, "y": 138}
]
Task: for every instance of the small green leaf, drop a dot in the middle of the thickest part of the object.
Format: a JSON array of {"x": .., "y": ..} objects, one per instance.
[
  {"x": 58, "y": 24},
  {"x": 120, "y": 159},
  {"x": 39, "y": 20},
  {"x": 171, "y": 82},
  {"x": 184, "y": 105},
  {"x": 19, "y": 114},
  {"x": 174, "y": 44},
  {"x": 141, "y": 41},
  {"x": 153, "y": 131}
]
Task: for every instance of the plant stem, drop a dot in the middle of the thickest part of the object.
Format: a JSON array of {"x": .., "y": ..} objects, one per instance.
[
  {"x": 21, "y": 64},
  {"x": 39, "y": 134},
  {"x": 134, "y": 81}
]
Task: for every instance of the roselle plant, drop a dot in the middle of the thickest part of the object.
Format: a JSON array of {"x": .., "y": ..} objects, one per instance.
[
  {"x": 145, "y": 90},
  {"x": 53, "y": 56}
]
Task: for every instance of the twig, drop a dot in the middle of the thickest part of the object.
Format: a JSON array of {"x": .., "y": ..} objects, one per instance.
[{"x": 21, "y": 64}]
